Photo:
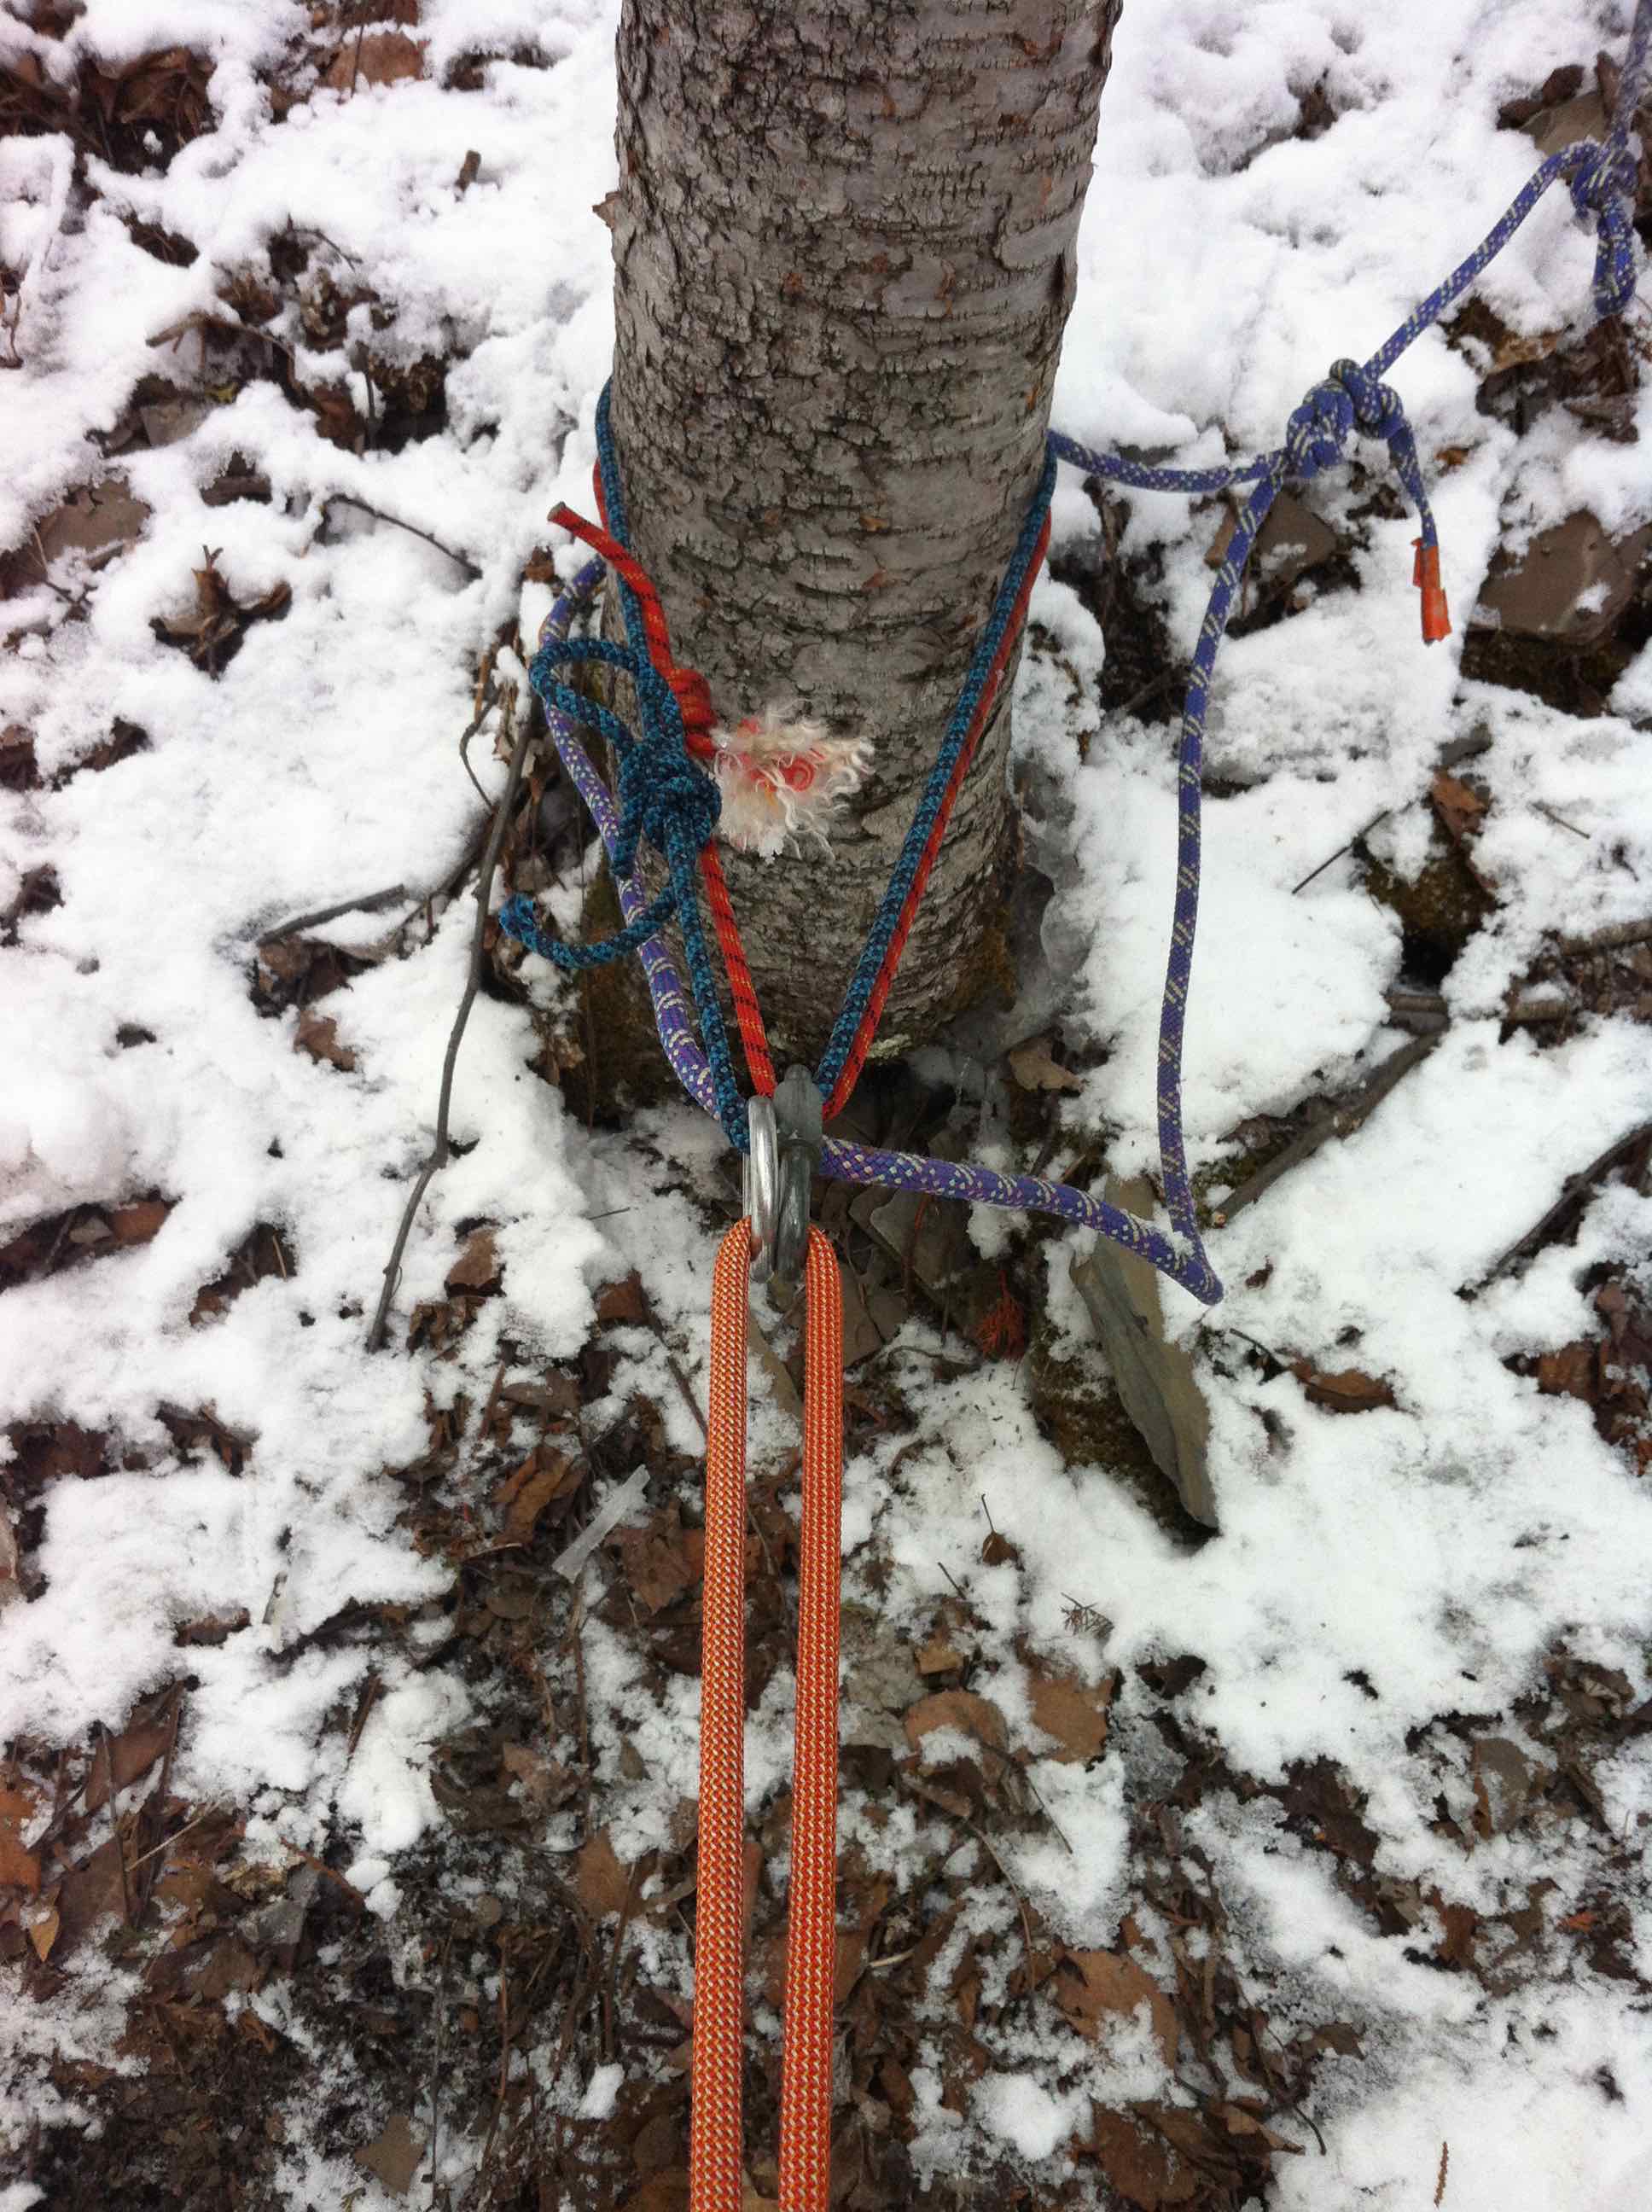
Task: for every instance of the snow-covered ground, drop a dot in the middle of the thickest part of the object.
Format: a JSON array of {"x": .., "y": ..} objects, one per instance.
[{"x": 1374, "y": 1573}]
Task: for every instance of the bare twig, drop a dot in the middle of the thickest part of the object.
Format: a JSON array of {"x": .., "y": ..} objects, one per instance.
[
  {"x": 576, "y": 1623},
  {"x": 672, "y": 1360},
  {"x": 1341, "y": 849},
  {"x": 114, "y": 1825},
  {"x": 504, "y": 2052},
  {"x": 302, "y": 922},
  {"x": 438, "y": 2022},
  {"x": 1575, "y": 1190},
  {"x": 372, "y": 1689},
  {"x": 481, "y": 700},
  {"x": 156, "y": 1801},
  {"x": 611, "y": 1993},
  {"x": 1347, "y": 1117},
  {"x": 1559, "y": 820},
  {"x": 201, "y": 319},
  {"x": 1163, "y": 681},
  {"x": 1615, "y": 938},
  {"x": 348, "y": 499},
  {"x": 439, "y": 1151},
  {"x": 177, "y": 1836}
]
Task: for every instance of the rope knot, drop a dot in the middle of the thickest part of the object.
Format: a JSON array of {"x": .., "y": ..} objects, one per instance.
[
  {"x": 1350, "y": 398},
  {"x": 663, "y": 795},
  {"x": 1603, "y": 180},
  {"x": 1353, "y": 398},
  {"x": 1319, "y": 430},
  {"x": 1377, "y": 408}
]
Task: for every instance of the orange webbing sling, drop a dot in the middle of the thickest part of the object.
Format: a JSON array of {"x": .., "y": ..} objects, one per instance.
[{"x": 716, "y": 2181}]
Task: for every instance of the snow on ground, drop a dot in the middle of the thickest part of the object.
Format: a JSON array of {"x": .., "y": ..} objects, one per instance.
[{"x": 1373, "y": 1573}]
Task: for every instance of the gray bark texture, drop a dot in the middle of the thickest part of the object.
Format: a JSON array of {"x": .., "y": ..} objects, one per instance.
[{"x": 843, "y": 252}]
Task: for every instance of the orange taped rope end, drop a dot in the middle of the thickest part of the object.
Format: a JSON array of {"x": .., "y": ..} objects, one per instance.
[{"x": 1425, "y": 575}]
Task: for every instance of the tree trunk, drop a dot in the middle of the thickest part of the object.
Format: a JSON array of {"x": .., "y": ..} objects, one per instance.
[{"x": 843, "y": 250}]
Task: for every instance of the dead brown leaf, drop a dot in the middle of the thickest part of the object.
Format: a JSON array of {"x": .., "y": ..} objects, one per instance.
[
  {"x": 1569, "y": 1372},
  {"x": 1503, "y": 1781},
  {"x": 939, "y": 1656},
  {"x": 477, "y": 1267},
  {"x": 317, "y": 1035},
  {"x": 192, "y": 1431},
  {"x": 229, "y": 1966},
  {"x": 133, "y": 1753},
  {"x": 264, "y": 1252},
  {"x": 1138, "y": 2163},
  {"x": 376, "y": 58},
  {"x": 395, "y": 2156},
  {"x": 19, "y": 769},
  {"x": 544, "y": 1474},
  {"x": 540, "y": 1778},
  {"x": 98, "y": 521},
  {"x": 621, "y": 1302},
  {"x": 1075, "y": 1713},
  {"x": 962, "y": 1709},
  {"x": 1459, "y": 805},
  {"x": 601, "y": 1881},
  {"x": 1461, "y": 1923},
  {"x": 1346, "y": 1391},
  {"x": 1093, "y": 1986},
  {"x": 660, "y": 1559},
  {"x": 211, "y": 631},
  {"x": 88, "y": 1893},
  {"x": 137, "y": 1224},
  {"x": 41, "y": 1923},
  {"x": 19, "y": 1865},
  {"x": 1035, "y": 1069}
]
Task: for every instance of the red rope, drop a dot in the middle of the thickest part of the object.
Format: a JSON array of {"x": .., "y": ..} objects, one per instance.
[{"x": 844, "y": 1087}]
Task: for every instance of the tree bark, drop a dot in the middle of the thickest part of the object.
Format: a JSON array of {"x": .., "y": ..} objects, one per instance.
[{"x": 843, "y": 251}]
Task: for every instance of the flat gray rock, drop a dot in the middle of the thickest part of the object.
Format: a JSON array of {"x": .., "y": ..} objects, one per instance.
[{"x": 1154, "y": 1377}]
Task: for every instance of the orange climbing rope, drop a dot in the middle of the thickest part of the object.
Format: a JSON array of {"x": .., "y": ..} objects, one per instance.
[{"x": 716, "y": 2182}]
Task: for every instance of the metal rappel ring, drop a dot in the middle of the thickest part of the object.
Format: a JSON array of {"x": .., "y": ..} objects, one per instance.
[{"x": 761, "y": 1186}]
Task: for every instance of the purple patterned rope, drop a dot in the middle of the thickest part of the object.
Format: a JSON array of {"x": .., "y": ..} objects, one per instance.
[{"x": 841, "y": 1160}]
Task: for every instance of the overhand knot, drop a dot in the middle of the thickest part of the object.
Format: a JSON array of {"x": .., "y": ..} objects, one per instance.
[{"x": 1350, "y": 398}]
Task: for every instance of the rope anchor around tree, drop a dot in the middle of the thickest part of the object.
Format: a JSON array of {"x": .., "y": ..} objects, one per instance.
[{"x": 667, "y": 795}]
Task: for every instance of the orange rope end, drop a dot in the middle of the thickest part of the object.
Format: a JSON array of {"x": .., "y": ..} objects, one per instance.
[{"x": 1425, "y": 575}]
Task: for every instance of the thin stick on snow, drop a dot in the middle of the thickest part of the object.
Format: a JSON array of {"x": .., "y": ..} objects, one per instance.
[
  {"x": 1573, "y": 1193},
  {"x": 1346, "y": 1119},
  {"x": 302, "y": 921},
  {"x": 348, "y": 499},
  {"x": 438, "y": 1149}
]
